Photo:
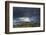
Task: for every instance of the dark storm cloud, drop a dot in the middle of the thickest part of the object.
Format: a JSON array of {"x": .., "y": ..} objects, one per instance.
[
  {"x": 27, "y": 12},
  {"x": 32, "y": 13}
]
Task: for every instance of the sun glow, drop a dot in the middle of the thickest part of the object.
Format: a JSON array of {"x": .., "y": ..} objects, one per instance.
[{"x": 26, "y": 19}]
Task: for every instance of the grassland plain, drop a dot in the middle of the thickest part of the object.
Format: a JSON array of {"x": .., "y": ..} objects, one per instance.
[{"x": 27, "y": 24}]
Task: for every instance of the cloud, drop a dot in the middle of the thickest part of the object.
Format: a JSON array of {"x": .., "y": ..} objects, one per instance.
[{"x": 25, "y": 12}]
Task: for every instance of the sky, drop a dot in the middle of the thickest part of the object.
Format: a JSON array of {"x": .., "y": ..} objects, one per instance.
[
  {"x": 25, "y": 12},
  {"x": 32, "y": 13}
]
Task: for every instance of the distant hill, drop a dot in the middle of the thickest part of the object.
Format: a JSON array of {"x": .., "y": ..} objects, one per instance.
[{"x": 27, "y": 24}]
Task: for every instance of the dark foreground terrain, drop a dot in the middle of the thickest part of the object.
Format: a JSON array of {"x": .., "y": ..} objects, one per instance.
[{"x": 27, "y": 24}]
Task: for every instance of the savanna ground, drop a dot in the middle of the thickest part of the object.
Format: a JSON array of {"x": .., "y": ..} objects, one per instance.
[{"x": 27, "y": 24}]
